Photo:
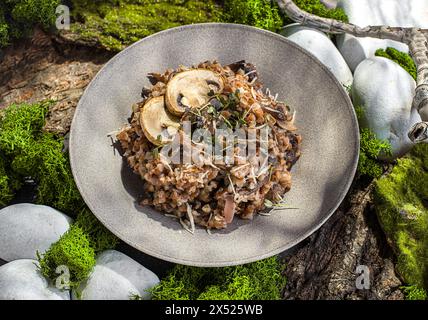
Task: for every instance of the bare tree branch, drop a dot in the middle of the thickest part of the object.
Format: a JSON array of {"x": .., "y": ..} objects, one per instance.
[{"x": 415, "y": 38}]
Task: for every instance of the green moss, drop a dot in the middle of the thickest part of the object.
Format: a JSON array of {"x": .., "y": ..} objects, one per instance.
[
  {"x": 56, "y": 186},
  {"x": 319, "y": 9},
  {"x": 44, "y": 161},
  {"x": 99, "y": 237},
  {"x": 17, "y": 17},
  {"x": 28, "y": 151},
  {"x": 4, "y": 29},
  {"x": 72, "y": 250},
  {"x": 401, "y": 203},
  {"x": 77, "y": 248},
  {"x": 258, "y": 13},
  {"x": 27, "y": 12},
  {"x": 19, "y": 124},
  {"x": 6, "y": 192},
  {"x": 239, "y": 288},
  {"x": 414, "y": 293},
  {"x": 402, "y": 58},
  {"x": 31, "y": 152},
  {"x": 260, "y": 280},
  {"x": 370, "y": 148},
  {"x": 117, "y": 24}
]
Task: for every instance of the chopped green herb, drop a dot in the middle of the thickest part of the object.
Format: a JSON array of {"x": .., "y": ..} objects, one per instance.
[
  {"x": 227, "y": 122},
  {"x": 211, "y": 110},
  {"x": 155, "y": 152},
  {"x": 270, "y": 204}
]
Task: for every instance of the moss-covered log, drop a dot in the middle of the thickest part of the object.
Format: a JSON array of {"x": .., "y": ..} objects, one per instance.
[{"x": 401, "y": 202}]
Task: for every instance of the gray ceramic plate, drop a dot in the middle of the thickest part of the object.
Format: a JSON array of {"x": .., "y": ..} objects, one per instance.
[{"x": 321, "y": 177}]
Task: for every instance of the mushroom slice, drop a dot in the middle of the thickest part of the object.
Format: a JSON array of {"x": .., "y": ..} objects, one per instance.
[
  {"x": 190, "y": 89},
  {"x": 158, "y": 125}
]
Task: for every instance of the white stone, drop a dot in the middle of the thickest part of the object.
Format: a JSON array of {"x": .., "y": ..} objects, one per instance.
[
  {"x": 116, "y": 277},
  {"x": 385, "y": 91},
  {"x": 395, "y": 13},
  {"x": 26, "y": 228},
  {"x": 22, "y": 280},
  {"x": 317, "y": 43},
  {"x": 330, "y": 4}
]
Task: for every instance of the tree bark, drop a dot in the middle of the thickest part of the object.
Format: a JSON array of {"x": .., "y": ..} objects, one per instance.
[
  {"x": 37, "y": 69},
  {"x": 326, "y": 267},
  {"x": 415, "y": 38}
]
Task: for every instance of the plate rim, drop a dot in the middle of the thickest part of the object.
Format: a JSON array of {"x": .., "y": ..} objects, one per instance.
[{"x": 253, "y": 258}]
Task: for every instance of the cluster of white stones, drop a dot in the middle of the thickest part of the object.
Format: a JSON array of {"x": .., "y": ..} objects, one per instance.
[
  {"x": 380, "y": 86},
  {"x": 28, "y": 228}
]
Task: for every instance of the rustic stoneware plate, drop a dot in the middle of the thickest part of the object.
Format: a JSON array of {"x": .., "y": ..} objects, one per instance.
[{"x": 321, "y": 177}]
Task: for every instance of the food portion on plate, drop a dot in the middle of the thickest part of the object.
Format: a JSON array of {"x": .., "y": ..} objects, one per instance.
[{"x": 211, "y": 144}]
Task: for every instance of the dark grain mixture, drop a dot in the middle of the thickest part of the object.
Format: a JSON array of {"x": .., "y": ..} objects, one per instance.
[{"x": 211, "y": 192}]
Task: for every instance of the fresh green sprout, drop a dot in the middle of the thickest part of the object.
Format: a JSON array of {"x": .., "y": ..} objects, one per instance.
[{"x": 269, "y": 204}]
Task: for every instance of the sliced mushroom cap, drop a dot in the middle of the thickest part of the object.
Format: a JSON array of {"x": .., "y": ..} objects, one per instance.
[
  {"x": 190, "y": 89},
  {"x": 158, "y": 125}
]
